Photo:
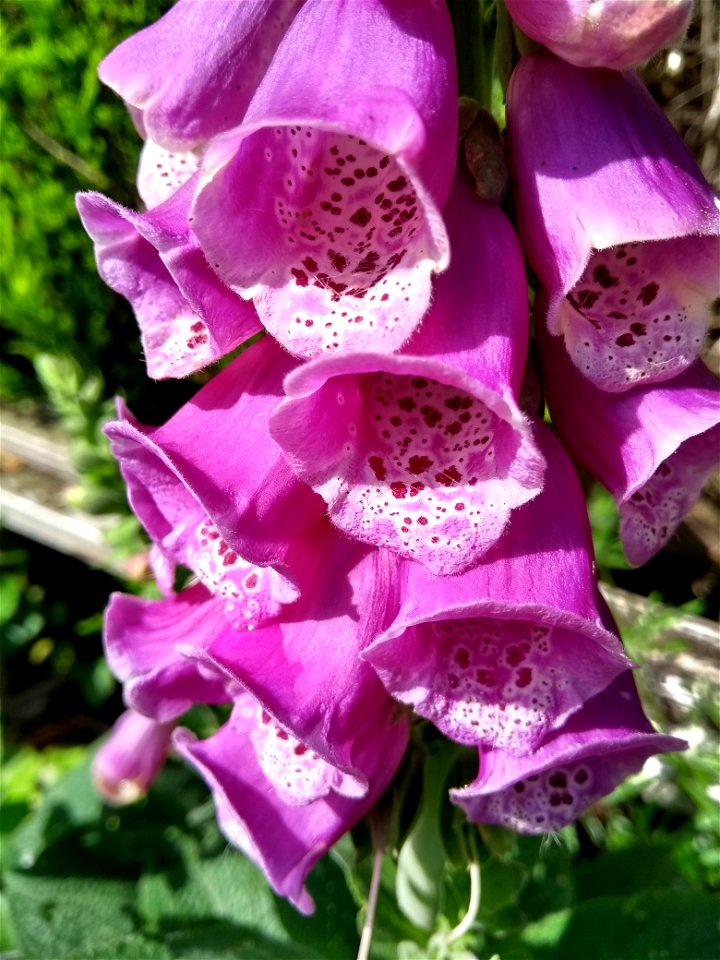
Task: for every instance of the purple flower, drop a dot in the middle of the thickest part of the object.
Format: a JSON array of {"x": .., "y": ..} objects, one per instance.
[
  {"x": 126, "y": 764},
  {"x": 191, "y": 75},
  {"x": 323, "y": 206},
  {"x": 279, "y": 802},
  {"x": 505, "y": 653},
  {"x": 548, "y": 788},
  {"x": 616, "y": 220},
  {"x": 426, "y": 452},
  {"x": 602, "y": 33},
  {"x": 151, "y": 647},
  {"x": 627, "y": 283},
  {"x": 653, "y": 447},
  {"x": 212, "y": 488},
  {"x": 187, "y": 317}
]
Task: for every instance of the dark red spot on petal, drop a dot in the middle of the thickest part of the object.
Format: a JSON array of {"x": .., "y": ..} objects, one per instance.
[
  {"x": 648, "y": 293},
  {"x": 378, "y": 467},
  {"x": 418, "y": 465}
]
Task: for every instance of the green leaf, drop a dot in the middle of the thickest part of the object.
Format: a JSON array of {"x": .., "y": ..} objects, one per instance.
[
  {"x": 653, "y": 925},
  {"x": 157, "y": 880}
]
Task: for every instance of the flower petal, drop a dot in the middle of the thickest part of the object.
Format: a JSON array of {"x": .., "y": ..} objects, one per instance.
[
  {"x": 305, "y": 669},
  {"x": 325, "y": 208},
  {"x": 547, "y": 789},
  {"x": 505, "y": 653},
  {"x": 126, "y": 764},
  {"x": 426, "y": 452},
  {"x": 652, "y": 447},
  {"x": 602, "y": 33},
  {"x": 284, "y": 840},
  {"x": 192, "y": 73},
  {"x": 146, "y": 646},
  {"x": 192, "y": 477},
  {"x": 631, "y": 274},
  {"x": 187, "y": 318}
]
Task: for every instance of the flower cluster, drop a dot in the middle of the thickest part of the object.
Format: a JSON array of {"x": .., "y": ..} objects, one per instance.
[{"x": 378, "y": 523}]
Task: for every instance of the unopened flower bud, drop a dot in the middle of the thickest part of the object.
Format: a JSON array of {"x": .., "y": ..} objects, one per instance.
[
  {"x": 127, "y": 763},
  {"x": 602, "y": 33}
]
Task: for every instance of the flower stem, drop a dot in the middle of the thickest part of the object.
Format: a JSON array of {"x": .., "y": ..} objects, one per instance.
[
  {"x": 367, "y": 930},
  {"x": 474, "y": 906}
]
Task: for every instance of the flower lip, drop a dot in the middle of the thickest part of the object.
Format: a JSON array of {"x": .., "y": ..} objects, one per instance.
[
  {"x": 317, "y": 203},
  {"x": 546, "y": 789},
  {"x": 341, "y": 253},
  {"x": 596, "y": 143},
  {"x": 415, "y": 455}
]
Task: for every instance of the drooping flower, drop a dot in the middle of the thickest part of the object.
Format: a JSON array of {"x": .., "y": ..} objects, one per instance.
[
  {"x": 602, "y": 33},
  {"x": 627, "y": 284},
  {"x": 191, "y": 75},
  {"x": 313, "y": 738},
  {"x": 426, "y": 452},
  {"x": 616, "y": 220},
  {"x": 305, "y": 666},
  {"x": 187, "y": 317},
  {"x": 653, "y": 447},
  {"x": 549, "y": 787},
  {"x": 278, "y": 802},
  {"x": 503, "y": 654},
  {"x": 211, "y": 487},
  {"x": 323, "y": 205},
  {"x": 126, "y": 764}
]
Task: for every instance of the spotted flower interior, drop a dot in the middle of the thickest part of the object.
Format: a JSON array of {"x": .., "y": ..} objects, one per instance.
[
  {"x": 297, "y": 772},
  {"x": 638, "y": 313},
  {"x": 489, "y": 680},
  {"x": 336, "y": 248},
  {"x": 407, "y": 463}
]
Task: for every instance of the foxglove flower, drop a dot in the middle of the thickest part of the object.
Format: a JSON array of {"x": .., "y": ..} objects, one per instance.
[
  {"x": 187, "y": 317},
  {"x": 212, "y": 488},
  {"x": 277, "y": 801},
  {"x": 126, "y": 764},
  {"x": 548, "y": 788},
  {"x": 152, "y": 647},
  {"x": 616, "y": 220},
  {"x": 426, "y": 452},
  {"x": 280, "y": 796},
  {"x": 191, "y": 75},
  {"x": 305, "y": 666},
  {"x": 602, "y": 33},
  {"x": 323, "y": 205},
  {"x": 504, "y": 654},
  {"x": 653, "y": 447}
]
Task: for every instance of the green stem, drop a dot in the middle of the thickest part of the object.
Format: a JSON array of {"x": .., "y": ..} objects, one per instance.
[{"x": 474, "y": 42}]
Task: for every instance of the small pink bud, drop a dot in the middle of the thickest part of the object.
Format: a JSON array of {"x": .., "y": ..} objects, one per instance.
[{"x": 129, "y": 760}]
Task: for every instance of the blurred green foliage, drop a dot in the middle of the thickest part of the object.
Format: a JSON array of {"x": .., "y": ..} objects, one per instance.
[{"x": 62, "y": 132}]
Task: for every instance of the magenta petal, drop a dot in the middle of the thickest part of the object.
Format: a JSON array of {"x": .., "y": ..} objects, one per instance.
[
  {"x": 147, "y": 643},
  {"x": 653, "y": 447},
  {"x": 126, "y": 764},
  {"x": 631, "y": 274},
  {"x": 547, "y": 789},
  {"x": 191, "y": 74},
  {"x": 505, "y": 653},
  {"x": 284, "y": 839},
  {"x": 195, "y": 471},
  {"x": 426, "y": 452},
  {"x": 306, "y": 669},
  {"x": 324, "y": 206},
  {"x": 187, "y": 318},
  {"x": 608, "y": 33}
]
